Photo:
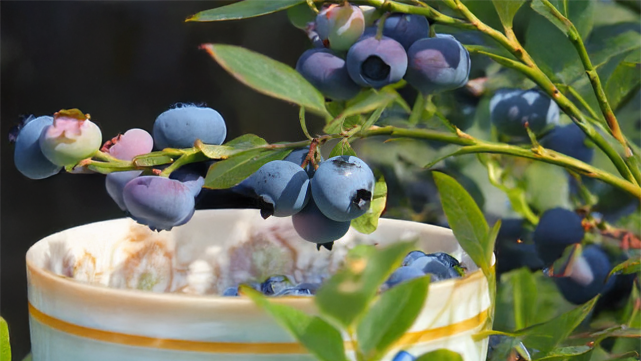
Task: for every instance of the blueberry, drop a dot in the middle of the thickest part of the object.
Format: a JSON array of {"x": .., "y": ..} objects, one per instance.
[
  {"x": 303, "y": 289},
  {"x": 131, "y": 144},
  {"x": 403, "y": 274},
  {"x": 411, "y": 257},
  {"x": 569, "y": 140},
  {"x": 282, "y": 186},
  {"x": 127, "y": 146},
  {"x": 406, "y": 28},
  {"x": 71, "y": 138},
  {"x": 446, "y": 259},
  {"x": 434, "y": 265},
  {"x": 161, "y": 203},
  {"x": 340, "y": 26},
  {"x": 403, "y": 356},
  {"x": 587, "y": 277},
  {"x": 298, "y": 157},
  {"x": 437, "y": 64},
  {"x": 510, "y": 109},
  {"x": 312, "y": 225},
  {"x": 115, "y": 184},
  {"x": 191, "y": 177},
  {"x": 327, "y": 72},
  {"x": 275, "y": 284},
  {"x": 231, "y": 291},
  {"x": 558, "y": 228},
  {"x": 343, "y": 187},
  {"x": 28, "y": 156},
  {"x": 375, "y": 63},
  {"x": 511, "y": 251},
  {"x": 180, "y": 127}
]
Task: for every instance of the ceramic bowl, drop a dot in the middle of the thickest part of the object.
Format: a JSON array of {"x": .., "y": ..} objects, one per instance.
[{"x": 114, "y": 290}]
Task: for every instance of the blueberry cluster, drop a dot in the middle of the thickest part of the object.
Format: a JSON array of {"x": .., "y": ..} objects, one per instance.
[
  {"x": 512, "y": 109},
  {"x": 278, "y": 286},
  {"x": 46, "y": 144},
  {"x": 321, "y": 202},
  {"x": 160, "y": 202},
  {"x": 352, "y": 51},
  {"x": 558, "y": 229},
  {"x": 440, "y": 266}
]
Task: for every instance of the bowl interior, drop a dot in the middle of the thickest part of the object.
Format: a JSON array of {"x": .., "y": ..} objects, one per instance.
[{"x": 215, "y": 250}]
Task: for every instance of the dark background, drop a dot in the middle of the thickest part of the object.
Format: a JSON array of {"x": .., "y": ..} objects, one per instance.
[{"x": 124, "y": 63}]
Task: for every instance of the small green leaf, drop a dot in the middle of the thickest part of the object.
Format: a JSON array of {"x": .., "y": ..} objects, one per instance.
[
  {"x": 551, "y": 13},
  {"x": 152, "y": 159},
  {"x": 368, "y": 222},
  {"x": 267, "y": 76},
  {"x": 235, "y": 169},
  {"x": 507, "y": 9},
  {"x": 5, "y": 346},
  {"x": 632, "y": 265},
  {"x": 27, "y": 358},
  {"x": 346, "y": 295},
  {"x": 244, "y": 9},
  {"x": 342, "y": 148},
  {"x": 562, "y": 353},
  {"x": 234, "y": 146},
  {"x": 440, "y": 355},
  {"x": 623, "y": 83},
  {"x": 402, "y": 303},
  {"x": 376, "y": 115},
  {"x": 466, "y": 220},
  {"x": 364, "y": 102},
  {"x": 538, "y": 176},
  {"x": 544, "y": 338},
  {"x": 317, "y": 336},
  {"x": 524, "y": 298}
]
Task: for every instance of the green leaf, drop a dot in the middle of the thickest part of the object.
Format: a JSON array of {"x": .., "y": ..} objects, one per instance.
[
  {"x": 440, "y": 355},
  {"x": 316, "y": 335},
  {"x": 547, "y": 10},
  {"x": 346, "y": 295},
  {"x": 27, "y": 358},
  {"x": 544, "y": 338},
  {"x": 368, "y": 222},
  {"x": 342, "y": 148},
  {"x": 234, "y": 146},
  {"x": 152, "y": 159},
  {"x": 564, "y": 265},
  {"x": 231, "y": 171},
  {"x": 538, "y": 177},
  {"x": 631, "y": 265},
  {"x": 623, "y": 83},
  {"x": 524, "y": 296},
  {"x": 466, "y": 220},
  {"x": 547, "y": 42},
  {"x": 244, "y": 9},
  {"x": 402, "y": 303},
  {"x": 268, "y": 76},
  {"x": 507, "y": 9},
  {"x": 604, "y": 45},
  {"x": 364, "y": 102},
  {"x": 562, "y": 353},
  {"x": 5, "y": 346}
]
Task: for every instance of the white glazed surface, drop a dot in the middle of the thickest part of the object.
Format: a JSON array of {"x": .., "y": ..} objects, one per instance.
[{"x": 194, "y": 262}]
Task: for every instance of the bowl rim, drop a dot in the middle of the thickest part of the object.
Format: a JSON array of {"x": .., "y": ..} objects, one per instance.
[{"x": 55, "y": 281}]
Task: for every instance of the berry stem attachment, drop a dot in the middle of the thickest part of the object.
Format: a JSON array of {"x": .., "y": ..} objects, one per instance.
[{"x": 381, "y": 26}]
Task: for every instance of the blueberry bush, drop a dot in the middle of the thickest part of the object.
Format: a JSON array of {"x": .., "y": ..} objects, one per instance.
[{"x": 525, "y": 109}]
